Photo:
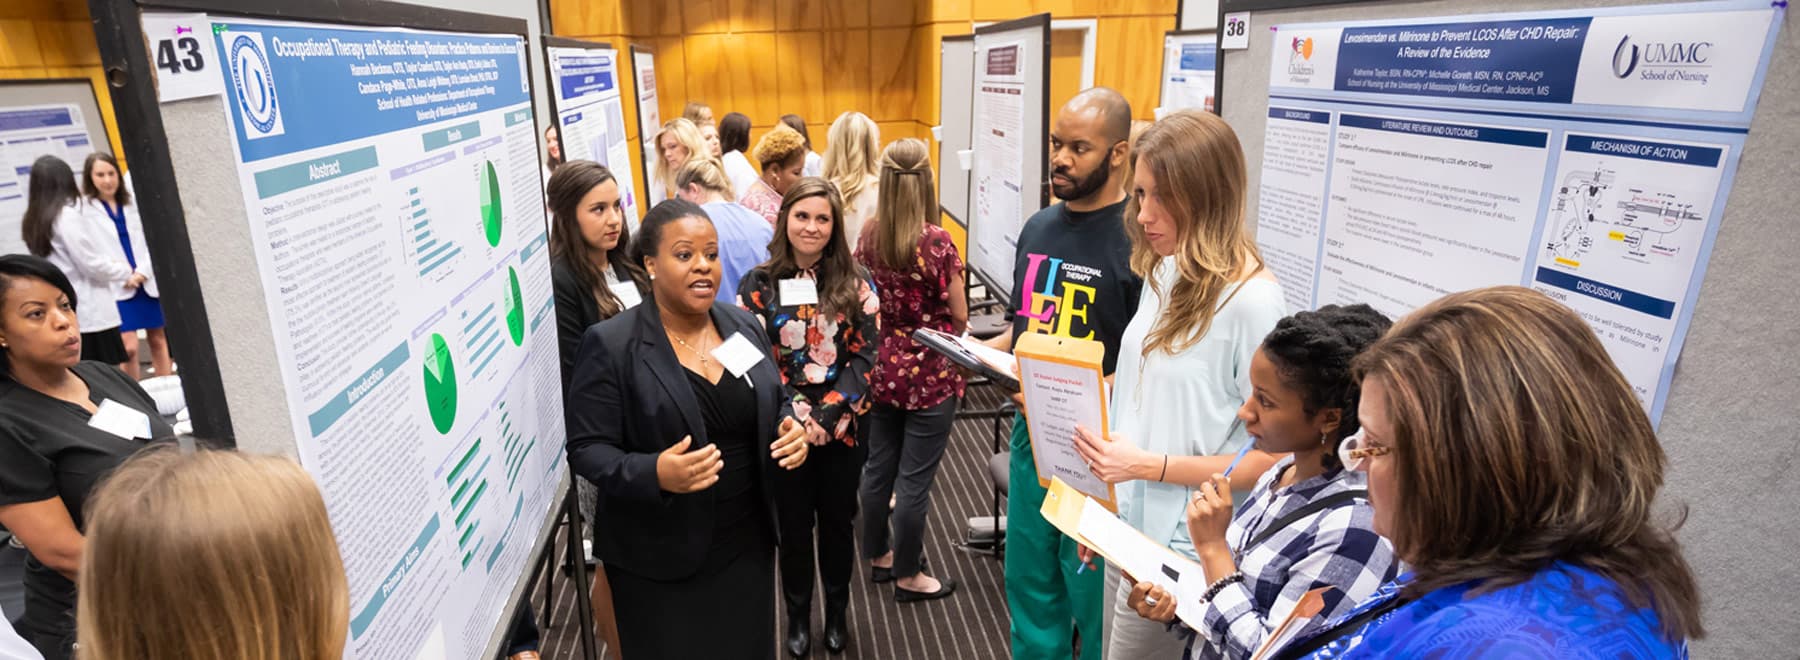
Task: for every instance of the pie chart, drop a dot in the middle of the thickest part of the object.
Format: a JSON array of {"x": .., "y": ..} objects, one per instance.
[
  {"x": 490, "y": 203},
  {"x": 515, "y": 308},
  {"x": 440, "y": 385}
]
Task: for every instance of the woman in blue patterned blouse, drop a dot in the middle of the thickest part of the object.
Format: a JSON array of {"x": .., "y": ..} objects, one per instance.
[
  {"x": 1514, "y": 470},
  {"x": 1308, "y": 523},
  {"x": 816, "y": 304}
]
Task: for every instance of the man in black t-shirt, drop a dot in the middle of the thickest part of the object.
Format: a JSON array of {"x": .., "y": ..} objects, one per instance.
[{"x": 1072, "y": 278}]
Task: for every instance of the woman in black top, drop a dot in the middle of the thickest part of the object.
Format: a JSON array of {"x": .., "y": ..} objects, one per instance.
[
  {"x": 674, "y": 411},
  {"x": 592, "y": 278},
  {"x": 64, "y": 425},
  {"x": 593, "y": 281},
  {"x": 818, "y": 309}
]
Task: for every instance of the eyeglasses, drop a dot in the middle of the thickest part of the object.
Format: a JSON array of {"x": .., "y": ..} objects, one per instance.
[{"x": 1355, "y": 450}]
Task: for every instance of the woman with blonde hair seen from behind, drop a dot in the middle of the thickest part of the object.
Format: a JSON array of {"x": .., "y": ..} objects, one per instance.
[
  {"x": 782, "y": 154},
  {"x": 1515, "y": 470},
  {"x": 1184, "y": 360},
  {"x": 238, "y": 541},
  {"x": 853, "y": 164},
  {"x": 914, "y": 389},
  {"x": 743, "y": 235},
  {"x": 679, "y": 141}
]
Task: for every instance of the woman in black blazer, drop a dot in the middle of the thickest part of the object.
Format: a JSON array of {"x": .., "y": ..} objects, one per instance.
[
  {"x": 674, "y": 410},
  {"x": 593, "y": 280}
]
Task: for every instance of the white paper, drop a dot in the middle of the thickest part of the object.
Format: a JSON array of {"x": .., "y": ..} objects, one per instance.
[
  {"x": 121, "y": 420},
  {"x": 1236, "y": 31},
  {"x": 1145, "y": 559},
  {"x": 1189, "y": 74},
  {"x": 738, "y": 355},
  {"x": 1058, "y": 397},
  {"x": 27, "y": 132},
  {"x": 183, "y": 55},
  {"x": 798, "y": 291},
  {"x": 1292, "y": 198}
]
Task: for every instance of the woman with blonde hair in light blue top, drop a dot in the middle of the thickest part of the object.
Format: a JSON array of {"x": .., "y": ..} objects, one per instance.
[{"x": 1184, "y": 360}]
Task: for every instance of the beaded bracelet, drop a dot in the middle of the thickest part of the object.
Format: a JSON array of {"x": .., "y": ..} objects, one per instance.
[{"x": 1220, "y": 585}]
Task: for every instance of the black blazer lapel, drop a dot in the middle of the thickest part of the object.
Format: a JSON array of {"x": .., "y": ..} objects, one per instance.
[{"x": 658, "y": 357}]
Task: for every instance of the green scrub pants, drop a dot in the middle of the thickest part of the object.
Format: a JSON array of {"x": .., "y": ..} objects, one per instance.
[{"x": 1048, "y": 598}]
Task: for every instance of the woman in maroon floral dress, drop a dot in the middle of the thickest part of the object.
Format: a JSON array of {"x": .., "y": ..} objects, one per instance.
[{"x": 915, "y": 390}]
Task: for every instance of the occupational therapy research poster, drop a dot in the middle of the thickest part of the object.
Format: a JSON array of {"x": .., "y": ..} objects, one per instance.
[{"x": 391, "y": 184}]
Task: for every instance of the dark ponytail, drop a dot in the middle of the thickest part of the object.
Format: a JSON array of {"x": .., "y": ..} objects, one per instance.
[{"x": 1313, "y": 352}]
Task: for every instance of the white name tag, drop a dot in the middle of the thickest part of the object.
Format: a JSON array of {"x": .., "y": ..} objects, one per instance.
[
  {"x": 738, "y": 355},
  {"x": 627, "y": 294},
  {"x": 121, "y": 420},
  {"x": 799, "y": 291}
]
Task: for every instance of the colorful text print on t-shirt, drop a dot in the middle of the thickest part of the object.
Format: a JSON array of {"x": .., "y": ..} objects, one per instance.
[{"x": 1057, "y": 296}]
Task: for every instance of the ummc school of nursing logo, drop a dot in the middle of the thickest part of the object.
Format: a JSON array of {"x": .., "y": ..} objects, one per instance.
[
  {"x": 254, "y": 83},
  {"x": 1679, "y": 61}
]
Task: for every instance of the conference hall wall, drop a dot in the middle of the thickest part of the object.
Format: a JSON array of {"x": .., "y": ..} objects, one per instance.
[
  {"x": 53, "y": 39},
  {"x": 819, "y": 58}
]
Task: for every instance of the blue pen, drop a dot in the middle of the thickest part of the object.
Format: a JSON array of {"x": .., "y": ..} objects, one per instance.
[{"x": 1249, "y": 444}]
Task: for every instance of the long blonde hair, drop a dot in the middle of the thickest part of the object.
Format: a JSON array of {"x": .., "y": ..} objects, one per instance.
[
  {"x": 907, "y": 199},
  {"x": 850, "y": 159},
  {"x": 214, "y": 555},
  {"x": 688, "y": 135},
  {"x": 1199, "y": 170},
  {"x": 709, "y": 173},
  {"x": 1517, "y": 443}
]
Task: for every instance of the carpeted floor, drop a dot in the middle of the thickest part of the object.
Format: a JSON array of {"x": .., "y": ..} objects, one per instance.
[{"x": 971, "y": 624}]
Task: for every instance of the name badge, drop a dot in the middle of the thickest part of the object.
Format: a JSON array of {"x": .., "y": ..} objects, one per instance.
[
  {"x": 121, "y": 420},
  {"x": 799, "y": 291},
  {"x": 627, "y": 294},
  {"x": 738, "y": 355}
]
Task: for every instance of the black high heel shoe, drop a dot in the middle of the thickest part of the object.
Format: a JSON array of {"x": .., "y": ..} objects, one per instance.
[{"x": 799, "y": 636}]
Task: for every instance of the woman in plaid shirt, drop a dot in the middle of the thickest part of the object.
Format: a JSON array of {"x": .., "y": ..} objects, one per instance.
[{"x": 1308, "y": 523}]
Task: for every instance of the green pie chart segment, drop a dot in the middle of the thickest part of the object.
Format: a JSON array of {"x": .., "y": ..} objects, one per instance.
[
  {"x": 440, "y": 385},
  {"x": 515, "y": 308},
  {"x": 490, "y": 203}
]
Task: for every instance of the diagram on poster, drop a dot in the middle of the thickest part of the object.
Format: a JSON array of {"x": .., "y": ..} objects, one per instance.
[
  {"x": 590, "y": 114},
  {"x": 999, "y": 160},
  {"x": 1570, "y": 151},
  {"x": 401, "y": 246}
]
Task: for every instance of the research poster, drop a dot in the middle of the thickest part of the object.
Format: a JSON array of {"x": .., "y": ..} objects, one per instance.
[
  {"x": 392, "y": 187},
  {"x": 28, "y": 132},
  {"x": 1190, "y": 69},
  {"x": 643, "y": 63},
  {"x": 1587, "y": 154},
  {"x": 590, "y": 112},
  {"x": 999, "y": 126}
]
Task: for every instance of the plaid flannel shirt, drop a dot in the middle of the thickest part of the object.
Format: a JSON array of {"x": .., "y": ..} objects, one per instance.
[{"x": 1335, "y": 547}]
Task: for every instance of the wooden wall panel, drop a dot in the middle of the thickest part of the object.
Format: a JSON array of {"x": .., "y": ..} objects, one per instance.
[
  {"x": 671, "y": 77},
  {"x": 793, "y": 15},
  {"x": 19, "y": 46},
  {"x": 708, "y": 78},
  {"x": 647, "y": 18},
  {"x": 752, "y": 15},
  {"x": 705, "y": 17},
  {"x": 1130, "y": 59},
  {"x": 846, "y": 55},
  {"x": 893, "y": 72},
  {"x": 587, "y": 18},
  {"x": 755, "y": 78},
  {"x": 97, "y": 76},
  {"x": 897, "y": 13},
  {"x": 801, "y": 87},
  {"x": 951, "y": 10}
]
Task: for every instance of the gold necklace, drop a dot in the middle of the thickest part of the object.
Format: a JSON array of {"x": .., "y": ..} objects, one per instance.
[{"x": 703, "y": 358}]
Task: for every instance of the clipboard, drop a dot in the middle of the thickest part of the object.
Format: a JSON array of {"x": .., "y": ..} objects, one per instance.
[
  {"x": 1064, "y": 383},
  {"x": 1128, "y": 549},
  {"x": 970, "y": 355}
]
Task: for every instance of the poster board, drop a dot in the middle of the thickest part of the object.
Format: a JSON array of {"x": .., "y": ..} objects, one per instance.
[
  {"x": 1189, "y": 71},
  {"x": 56, "y": 117},
  {"x": 1737, "y": 354},
  {"x": 1010, "y": 129},
  {"x": 643, "y": 79},
  {"x": 586, "y": 99},
  {"x": 955, "y": 113},
  {"x": 379, "y": 288}
]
